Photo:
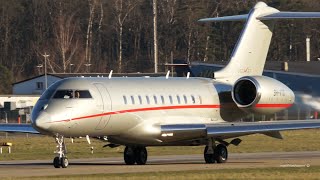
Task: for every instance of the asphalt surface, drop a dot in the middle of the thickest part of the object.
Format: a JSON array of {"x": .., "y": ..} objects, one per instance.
[{"x": 28, "y": 168}]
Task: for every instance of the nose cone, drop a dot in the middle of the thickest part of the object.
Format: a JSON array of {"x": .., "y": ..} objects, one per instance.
[{"x": 42, "y": 122}]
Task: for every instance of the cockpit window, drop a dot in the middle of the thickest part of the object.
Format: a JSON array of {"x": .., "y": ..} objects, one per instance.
[
  {"x": 71, "y": 94},
  {"x": 82, "y": 94},
  {"x": 47, "y": 94},
  {"x": 63, "y": 94}
]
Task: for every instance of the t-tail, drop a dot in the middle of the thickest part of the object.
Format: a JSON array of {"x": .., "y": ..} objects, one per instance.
[{"x": 250, "y": 53}]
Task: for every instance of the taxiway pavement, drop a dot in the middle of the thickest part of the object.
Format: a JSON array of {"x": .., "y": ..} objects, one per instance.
[{"x": 28, "y": 168}]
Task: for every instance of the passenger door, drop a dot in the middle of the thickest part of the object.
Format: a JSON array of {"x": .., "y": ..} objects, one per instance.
[{"x": 104, "y": 105}]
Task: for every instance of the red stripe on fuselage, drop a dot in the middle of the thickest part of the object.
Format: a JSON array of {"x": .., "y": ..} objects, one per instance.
[
  {"x": 273, "y": 105},
  {"x": 214, "y": 106},
  {"x": 143, "y": 110}
]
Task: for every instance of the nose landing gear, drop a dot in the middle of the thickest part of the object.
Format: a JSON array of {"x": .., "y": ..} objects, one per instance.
[{"x": 61, "y": 159}]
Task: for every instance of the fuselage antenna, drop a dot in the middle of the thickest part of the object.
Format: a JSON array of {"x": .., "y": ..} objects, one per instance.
[
  {"x": 110, "y": 74},
  {"x": 168, "y": 73}
]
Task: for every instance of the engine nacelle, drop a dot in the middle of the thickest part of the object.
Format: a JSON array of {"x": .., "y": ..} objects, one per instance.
[{"x": 261, "y": 94}]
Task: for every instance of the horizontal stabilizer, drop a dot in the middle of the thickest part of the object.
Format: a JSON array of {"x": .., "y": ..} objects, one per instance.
[
  {"x": 273, "y": 16},
  {"x": 243, "y": 17},
  {"x": 290, "y": 15}
]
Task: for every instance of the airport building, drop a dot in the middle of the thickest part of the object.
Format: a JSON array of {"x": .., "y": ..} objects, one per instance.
[{"x": 37, "y": 85}]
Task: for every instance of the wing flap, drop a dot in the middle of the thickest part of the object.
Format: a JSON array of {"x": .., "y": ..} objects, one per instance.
[
  {"x": 227, "y": 129},
  {"x": 22, "y": 128}
]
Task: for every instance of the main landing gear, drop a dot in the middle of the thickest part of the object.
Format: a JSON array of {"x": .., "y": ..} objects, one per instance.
[
  {"x": 134, "y": 155},
  {"x": 61, "y": 159},
  {"x": 213, "y": 153}
]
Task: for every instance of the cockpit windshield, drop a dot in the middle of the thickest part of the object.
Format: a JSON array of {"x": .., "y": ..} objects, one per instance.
[
  {"x": 72, "y": 94},
  {"x": 47, "y": 94},
  {"x": 63, "y": 94}
]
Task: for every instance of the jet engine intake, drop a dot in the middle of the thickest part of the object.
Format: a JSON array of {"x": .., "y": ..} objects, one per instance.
[{"x": 262, "y": 95}]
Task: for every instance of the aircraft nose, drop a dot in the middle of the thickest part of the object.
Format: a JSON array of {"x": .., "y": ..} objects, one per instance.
[{"x": 42, "y": 122}]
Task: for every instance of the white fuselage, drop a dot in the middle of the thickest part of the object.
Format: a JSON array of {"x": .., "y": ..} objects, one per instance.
[{"x": 132, "y": 108}]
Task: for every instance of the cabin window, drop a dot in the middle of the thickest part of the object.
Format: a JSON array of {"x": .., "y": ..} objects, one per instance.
[
  {"x": 155, "y": 99},
  {"x": 132, "y": 99},
  {"x": 185, "y": 99},
  {"x": 170, "y": 99},
  {"x": 193, "y": 99},
  {"x": 125, "y": 100},
  {"x": 63, "y": 94},
  {"x": 140, "y": 99},
  {"x": 162, "y": 99},
  {"x": 178, "y": 99},
  {"x": 200, "y": 99},
  {"x": 148, "y": 100},
  {"x": 82, "y": 94}
]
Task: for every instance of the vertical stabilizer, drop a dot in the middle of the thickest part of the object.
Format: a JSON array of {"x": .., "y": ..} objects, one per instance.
[{"x": 250, "y": 53}]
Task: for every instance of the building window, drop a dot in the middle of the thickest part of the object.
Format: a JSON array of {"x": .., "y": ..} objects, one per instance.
[{"x": 40, "y": 85}]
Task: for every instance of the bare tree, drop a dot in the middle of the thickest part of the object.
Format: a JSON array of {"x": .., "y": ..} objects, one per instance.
[
  {"x": 122, "y": 10},
  {"x": 66, "y": 41}
]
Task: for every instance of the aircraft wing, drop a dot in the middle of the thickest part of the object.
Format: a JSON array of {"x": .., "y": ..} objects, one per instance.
[
  {"x": 22, "y": 128},
  {"x": 231, "y": 130}
]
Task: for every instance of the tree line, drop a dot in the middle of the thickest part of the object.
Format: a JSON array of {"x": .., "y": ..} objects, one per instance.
[{"x": 102, "y": 35}]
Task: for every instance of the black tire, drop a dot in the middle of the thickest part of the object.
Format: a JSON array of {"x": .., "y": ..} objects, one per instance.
[
  {"x": 209, "y": 158},
  {"x": 56, "y": 162},
  {"x": 64, "y": 162},
  {"x": 221, "y": 153},
  {"x": 141, "y": 155},
  {"x": 129, "y": 155}
]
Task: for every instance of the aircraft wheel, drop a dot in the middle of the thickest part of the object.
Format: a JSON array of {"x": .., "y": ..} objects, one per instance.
[
  {"x": 64, "y": 162},
  {"x": 221, "y": 153},
  {"x": 56, "y": 162},
  {"x": 129, "y": 155},
  {"x": 141, "y": 155},
  {"x": 209, "y": 158}
]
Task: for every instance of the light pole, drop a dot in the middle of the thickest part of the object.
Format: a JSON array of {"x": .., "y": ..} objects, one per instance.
[
  {"x": 155, "y": 36},
  {"x": 45, "y": 55}
]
